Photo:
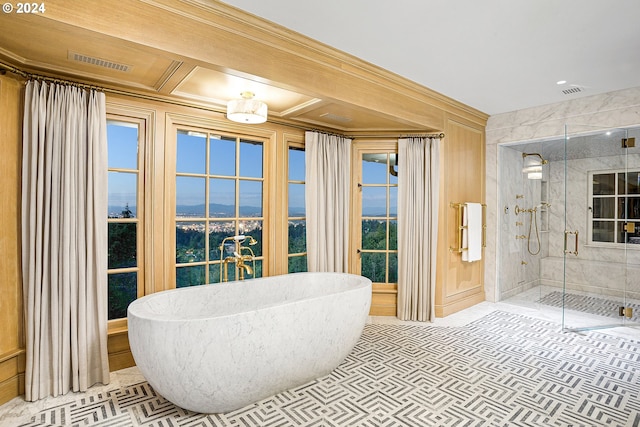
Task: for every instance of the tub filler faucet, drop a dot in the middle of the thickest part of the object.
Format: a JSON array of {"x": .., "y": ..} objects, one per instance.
[
  {"x": 241, "y": 263},
  {"x": 245, "y": 262}
]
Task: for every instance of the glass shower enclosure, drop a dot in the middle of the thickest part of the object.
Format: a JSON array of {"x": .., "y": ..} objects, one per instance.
[
  {"x": 570, "y": 226},
  {"x": 601, "y": 236}
]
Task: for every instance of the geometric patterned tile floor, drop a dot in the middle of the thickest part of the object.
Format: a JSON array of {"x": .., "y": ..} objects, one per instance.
[
  {"x": 503, "y": 369},
  {"x": 589, "y": 304}
]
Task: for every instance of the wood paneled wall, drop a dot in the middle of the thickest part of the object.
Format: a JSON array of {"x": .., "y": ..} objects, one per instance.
[
  {"x": 11, "y": 341},
  {"x": 459, "y": 284},
  {"x": 320, "y": 70}
]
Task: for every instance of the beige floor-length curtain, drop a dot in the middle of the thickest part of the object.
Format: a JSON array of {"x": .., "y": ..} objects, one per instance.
[
  {"x": 327, "y": 179},
  {"x": 64, "y": 239},
  {"x": 418, "y": 171}
]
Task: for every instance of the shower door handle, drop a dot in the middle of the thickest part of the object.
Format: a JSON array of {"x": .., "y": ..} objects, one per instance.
[{"x": 566, "y": 234}]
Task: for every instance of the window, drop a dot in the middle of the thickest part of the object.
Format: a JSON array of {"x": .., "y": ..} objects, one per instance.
[
  {"x": 297, "y": 234},
  {"x": 615, "y": 207},
  {"x": 219, "y": 193},
  {"x": 379, "y": 217},
  {"x": 125, "y": 282}
]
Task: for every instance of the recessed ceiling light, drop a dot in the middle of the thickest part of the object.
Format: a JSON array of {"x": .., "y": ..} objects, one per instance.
[{"x": 561, "y": 82}]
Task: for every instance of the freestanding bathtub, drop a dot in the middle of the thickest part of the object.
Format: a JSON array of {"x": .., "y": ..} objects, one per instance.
[{"x": 220, "y": 347}]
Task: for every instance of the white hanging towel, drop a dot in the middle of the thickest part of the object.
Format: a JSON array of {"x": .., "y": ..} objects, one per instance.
[{"x": 472, "y": 233}]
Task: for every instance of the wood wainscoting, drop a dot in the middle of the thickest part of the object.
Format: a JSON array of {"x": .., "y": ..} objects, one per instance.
[
  {"x": 378, "y": 101},
  {"x": 384, "y": 299},
  {"x": 120, "y": 356},
  {"x": 11, "y": 375},
  {"x": 12, "y": 361},
  {"x": 459, "y": 284}
]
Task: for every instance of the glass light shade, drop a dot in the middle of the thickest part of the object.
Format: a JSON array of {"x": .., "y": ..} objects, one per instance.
[
  {"x": 247, "y": 111},
  {"x": 534, "y": 175},
  {"x": 530, "y": 169}
]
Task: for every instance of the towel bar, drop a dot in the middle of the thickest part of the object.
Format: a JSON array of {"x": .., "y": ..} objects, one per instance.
[{"x": 460, "y": 227}]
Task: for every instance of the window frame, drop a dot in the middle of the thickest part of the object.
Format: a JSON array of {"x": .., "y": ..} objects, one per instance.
[
  {"x": 142, "y": 122},
  {"x": 271, "y": 179},
  {"x": 616, "y": 196},
  {"x": 208, "y": 175},
  {"x": 301, "y": 147},
  {"x": 360, "y": 148}
]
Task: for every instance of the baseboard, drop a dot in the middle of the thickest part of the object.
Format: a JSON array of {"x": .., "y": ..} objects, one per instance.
[
  {"x": 383, "y": 302},
  {"x": 455, "y": 306},
  {"x": 121, "y": 360},
  {"x": 120, "y": 356},
  {"x": 11, "y": 375},
  {"x": 11, "y": 388}
]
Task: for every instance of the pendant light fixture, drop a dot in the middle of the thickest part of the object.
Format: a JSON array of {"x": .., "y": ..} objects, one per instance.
[{"x": 247, "y": 109}]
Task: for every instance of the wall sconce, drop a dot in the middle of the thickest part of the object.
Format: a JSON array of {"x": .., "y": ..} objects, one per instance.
[{"x": 247, "y": 109}]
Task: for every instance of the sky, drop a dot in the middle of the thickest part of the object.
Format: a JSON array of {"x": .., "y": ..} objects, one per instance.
[
  {"x": 192, "y": 158},
  {"x": 122, "y": 151}
]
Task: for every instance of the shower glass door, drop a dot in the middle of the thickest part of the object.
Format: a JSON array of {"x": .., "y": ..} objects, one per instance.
[{"x": 600, "y": 240}]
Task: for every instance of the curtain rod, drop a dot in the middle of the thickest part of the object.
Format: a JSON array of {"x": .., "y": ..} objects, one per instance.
[
  {"x": 420, "y": 135},
  {"x": 4, "y": 68},
  {"x": 340, "y": 135},
  {"x": 31, "y": 76},
  {"x": 426, "y": 135},
  {"x": 346, "y": 135}
]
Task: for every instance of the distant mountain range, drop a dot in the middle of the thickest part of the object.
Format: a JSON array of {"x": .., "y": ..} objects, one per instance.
[
  {"x": 216, "y": 208},
  {"x": 229, "y": 210}
]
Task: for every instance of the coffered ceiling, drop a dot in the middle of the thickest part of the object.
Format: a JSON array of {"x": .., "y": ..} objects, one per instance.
[
  {"x": 37, "y": 44},
  {"x": 492, "y": 56}
]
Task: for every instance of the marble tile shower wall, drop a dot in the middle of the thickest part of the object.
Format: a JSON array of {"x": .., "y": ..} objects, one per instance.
[
  {"x": 521, "y": 247},
  {"x": 515, "y": 275},
  {"x": 596, "y": 269},
  {"x": 609, "y": 110}
]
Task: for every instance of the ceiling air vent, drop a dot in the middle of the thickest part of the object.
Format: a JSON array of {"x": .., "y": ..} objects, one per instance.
[
  {"x": 99, "y": 62},
  {"x": 572, "y": 90},
  {"x": 335, "y": 117}
]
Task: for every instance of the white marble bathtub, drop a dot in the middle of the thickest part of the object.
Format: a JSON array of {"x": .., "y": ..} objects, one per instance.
[{"x": 216, "y": 348}]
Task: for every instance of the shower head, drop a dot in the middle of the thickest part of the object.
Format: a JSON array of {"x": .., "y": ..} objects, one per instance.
[
  {"x": 542, "y": 160},
  {"x": 533, "y": 167}
]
